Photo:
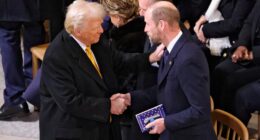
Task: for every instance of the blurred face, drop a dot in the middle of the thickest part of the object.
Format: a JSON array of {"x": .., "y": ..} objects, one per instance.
[
  {"x": 143, "y": 5},
  {"x": 151, "y": 28},
  {"x": 116, "y": 20},
  {"x": 91, "y": 31}
]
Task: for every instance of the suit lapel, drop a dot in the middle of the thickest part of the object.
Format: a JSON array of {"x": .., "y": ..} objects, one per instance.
[
  {"x": 83, "y": 61},
  {"x": 88, "y": 67},
  {"x": 103, "y": 55},
  {"x": 162, "y": 74}
]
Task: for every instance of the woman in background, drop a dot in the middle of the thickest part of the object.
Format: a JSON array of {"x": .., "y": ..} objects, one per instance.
[{"x": 126, "y": 35}]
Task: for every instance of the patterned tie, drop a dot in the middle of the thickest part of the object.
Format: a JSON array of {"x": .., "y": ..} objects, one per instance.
[{"x": 92, "y": 59}]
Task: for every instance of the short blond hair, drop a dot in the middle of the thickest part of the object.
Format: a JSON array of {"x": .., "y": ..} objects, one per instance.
[
  {"x": 126, "y": 9},
  {"x": 81, "y": 10},
  {"x": 164, "y": 10}
]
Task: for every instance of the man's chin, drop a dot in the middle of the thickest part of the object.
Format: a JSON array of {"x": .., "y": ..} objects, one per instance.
[
  {"x": 154, "y": 41},
  {"x": 96, "y": 41}
]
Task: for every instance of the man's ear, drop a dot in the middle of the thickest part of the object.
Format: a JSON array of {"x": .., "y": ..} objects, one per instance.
[
  {"x": 77, "y": 32},
  {"x": 161, "y": 25}
]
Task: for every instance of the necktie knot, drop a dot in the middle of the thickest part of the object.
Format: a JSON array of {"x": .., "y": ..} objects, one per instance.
[{"x": 88, "y": 49}]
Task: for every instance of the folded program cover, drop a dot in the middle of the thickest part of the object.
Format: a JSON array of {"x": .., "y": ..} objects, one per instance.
[{"x": 149, "y": 115}]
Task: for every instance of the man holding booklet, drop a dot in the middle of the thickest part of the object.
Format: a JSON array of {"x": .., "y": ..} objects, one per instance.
[{"x": 183, "y": 81}]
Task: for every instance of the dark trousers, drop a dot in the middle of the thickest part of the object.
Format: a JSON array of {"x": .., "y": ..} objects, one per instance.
[
  {"x": 17, "y": 68},
  {"x": 227, "y": 78},
  {"x": 247, "y": 101},
  {"x": 32, "y": 92}
]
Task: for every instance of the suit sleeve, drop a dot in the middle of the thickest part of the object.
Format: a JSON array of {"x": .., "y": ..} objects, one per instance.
[
  {"x": 143, "y": 99},
  {"x": 130, "y": 62},
  {"x": 59, "y": 83},
  {"x": 245, "y": 35},
  {"x": 194, "y": 82},
  {"x": 231, "y": 25}
]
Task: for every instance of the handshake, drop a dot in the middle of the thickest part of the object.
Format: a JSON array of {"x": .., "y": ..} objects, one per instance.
[{"x": 119, "y": 103}]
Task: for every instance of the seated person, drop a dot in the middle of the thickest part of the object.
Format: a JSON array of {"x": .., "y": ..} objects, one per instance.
[
  {"x": 243, "y": 67},
  {"x": 216, "y": 45},
  {"x": 234, "y": 13}
]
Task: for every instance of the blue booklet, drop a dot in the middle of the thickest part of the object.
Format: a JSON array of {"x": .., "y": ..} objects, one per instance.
[{"x": 149, "y": 115}]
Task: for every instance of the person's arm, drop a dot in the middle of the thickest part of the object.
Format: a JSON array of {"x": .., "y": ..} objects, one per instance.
[
  {"x": 243, "y": 48},
  {"x": 232, "y": 25},
  {"x": 212, "y": 9},
  {"x": 134, "y": 62},
  {"x": 144, "y": 99}
]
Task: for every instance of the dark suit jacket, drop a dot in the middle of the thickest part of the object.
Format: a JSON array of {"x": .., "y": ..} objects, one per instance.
[
  {"x": 250, "y": 31},
  {"x": 234, "y": 13},
  {"x": 74, "y": 99},
  {"x": 19, "y": 10},
  {"x": 183, "y": 89}
]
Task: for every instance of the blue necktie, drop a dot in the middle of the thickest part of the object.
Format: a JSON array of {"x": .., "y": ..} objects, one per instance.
[{"x": 165, "y": 57}]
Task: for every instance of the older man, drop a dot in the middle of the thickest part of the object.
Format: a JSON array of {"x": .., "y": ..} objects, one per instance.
[
  {"x": 78, "y": 79},
  {"x": 183, "y": 80}
]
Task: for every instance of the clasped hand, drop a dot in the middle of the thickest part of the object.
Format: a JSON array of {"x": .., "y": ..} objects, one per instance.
[
  {"x": 242, "y": 54},
  {"x": 119, "y": 103}
]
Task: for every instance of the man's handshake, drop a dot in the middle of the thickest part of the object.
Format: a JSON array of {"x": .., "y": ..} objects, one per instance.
[{"x": 119, "y": 103}]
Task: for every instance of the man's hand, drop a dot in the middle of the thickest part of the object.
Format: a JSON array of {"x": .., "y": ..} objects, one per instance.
[
  {"x": 200, "y": 35},
  {"x": 199, "y": 23},
  {"x": 126, "y": 97},
  {"x": 242, "y": 53},
  {"x": 157, "y": 126},
  {"x": 118, "y": 105},
  {"x": 157, "y": 54}
]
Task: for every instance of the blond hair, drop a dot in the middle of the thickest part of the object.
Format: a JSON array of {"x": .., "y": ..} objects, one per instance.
[
  {"x": 80, "y": 11},
  {"x": 126, "y": 9}
]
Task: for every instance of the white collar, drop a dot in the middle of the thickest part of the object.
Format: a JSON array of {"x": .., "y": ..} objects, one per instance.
[
  {"x": 82, "y": 45},
  {"x": 173, "y": 42}
]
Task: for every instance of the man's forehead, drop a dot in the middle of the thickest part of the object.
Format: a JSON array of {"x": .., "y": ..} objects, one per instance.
[{"x": 147, "y": 16}]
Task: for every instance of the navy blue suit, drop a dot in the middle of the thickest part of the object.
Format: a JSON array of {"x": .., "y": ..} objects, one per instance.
[
  {"x": 183, "y": 89},
  {"x": 16, "y": 17}
]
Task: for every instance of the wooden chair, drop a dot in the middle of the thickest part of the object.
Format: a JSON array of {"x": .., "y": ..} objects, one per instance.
[
  {"x": 37, "y": 55},
  {"x": 234, "y": 126}
]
